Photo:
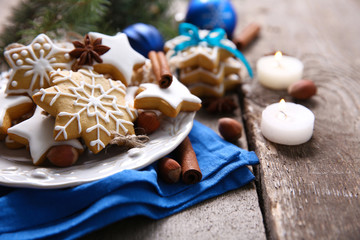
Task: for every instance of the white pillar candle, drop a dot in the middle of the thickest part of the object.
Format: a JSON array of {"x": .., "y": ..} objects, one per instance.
[
  {"x": 278, "y": 71},
  {"x": 287, "y": 123}
]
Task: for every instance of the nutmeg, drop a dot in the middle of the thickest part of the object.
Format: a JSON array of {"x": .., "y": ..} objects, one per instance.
[
  {"x": 303, "y": 89},
  {"x": 230, "y": 129},
  {"x": 169, "y": 170},
  {"x": 63, "y": 155},
  {"x": 148, "y": 121}
]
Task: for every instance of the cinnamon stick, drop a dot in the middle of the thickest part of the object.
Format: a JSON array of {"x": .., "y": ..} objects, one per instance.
[
  {"x": 160, "y": 68},
  {"x": 190, "y": 169},
  {"x": 247, "y": 35},
  {"x": 166, "y": 76}
]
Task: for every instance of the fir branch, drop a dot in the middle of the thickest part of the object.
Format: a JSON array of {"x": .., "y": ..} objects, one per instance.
[
  {"x": 58, "y": 17},
  {"x": 53, "y": 18}
]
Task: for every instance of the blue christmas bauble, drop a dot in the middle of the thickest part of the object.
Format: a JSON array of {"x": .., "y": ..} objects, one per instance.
[
  {"x": 210, "y": 14},
  {"x": 144, "y": 38}
]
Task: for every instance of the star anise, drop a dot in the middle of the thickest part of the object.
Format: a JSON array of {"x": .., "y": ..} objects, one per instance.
[{"x": 88, "y": 51}]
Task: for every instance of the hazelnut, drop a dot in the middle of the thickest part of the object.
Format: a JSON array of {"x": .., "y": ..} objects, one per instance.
[
  {"x": 303, "y": 89},
  {"x": 169, "y": 170},
  {"x": 148, "y": 121},
  {"x": 230, "y": 129},
  {"x": 63, "y": 155}
]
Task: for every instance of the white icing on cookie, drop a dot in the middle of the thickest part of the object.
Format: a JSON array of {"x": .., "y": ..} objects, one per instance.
[
  {"x": 38, "y": 130},
  {"x": 181, "y": 58},
  {"x": 7, "y": 102},
  {"x": 90, "y": 100},
  {"x": 174, "y": 95},
  {"x": 202, "y": 75},
  {"x": 205, "y": 90},
  {"x": 172, "y": 43},
  {"x": 121, "y": 55},
  {"x": 38, "y": 61}
]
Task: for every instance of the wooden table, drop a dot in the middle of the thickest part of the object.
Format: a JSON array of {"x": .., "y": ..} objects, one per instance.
[{"x": 309, "y": 191}]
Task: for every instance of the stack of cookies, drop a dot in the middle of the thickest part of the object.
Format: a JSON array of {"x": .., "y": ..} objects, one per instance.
[{"x": 207, "y": 71}]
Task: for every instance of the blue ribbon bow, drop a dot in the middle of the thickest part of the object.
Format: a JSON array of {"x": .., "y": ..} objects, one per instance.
[{"x": 213, "y": 38}]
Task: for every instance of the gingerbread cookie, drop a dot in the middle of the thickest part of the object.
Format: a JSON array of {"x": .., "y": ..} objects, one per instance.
[
  {"x": 120, "y": 60},
  {"x": 87, "y": 105},
  {"x": 201, "y": 89},
  {"x": 170, "y": 101},
  {"x": 201, "y": 55},
  {"x": 32, "y": 64},
  {"x": 144, "y": 74},
  {"x": 37, "y": 133},
  {"x": 194, "y": 75},
  {"x": 12, "y": 107},
  {"x": 205, "y": 62},
  {"x": 191, "y": 75},
  {"x": 11, "y": 144}
]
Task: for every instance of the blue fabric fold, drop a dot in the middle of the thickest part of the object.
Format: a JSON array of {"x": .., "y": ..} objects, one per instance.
[{"x": 73, "y": 212}]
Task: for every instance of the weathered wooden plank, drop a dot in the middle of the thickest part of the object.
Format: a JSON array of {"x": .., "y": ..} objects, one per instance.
[{"x": 310, "y": 191}]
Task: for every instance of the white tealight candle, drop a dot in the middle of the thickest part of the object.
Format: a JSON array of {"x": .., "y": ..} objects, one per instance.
[
  {"x": 278, "y": 71},
  {"x": 287, "y": 123}
]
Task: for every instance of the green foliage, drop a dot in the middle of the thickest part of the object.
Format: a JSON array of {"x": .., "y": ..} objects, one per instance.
[{"x": 56, "y": 18}]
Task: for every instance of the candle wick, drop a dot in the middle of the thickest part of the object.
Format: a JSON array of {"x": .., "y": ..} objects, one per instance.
[{"x": 282, "y": 115}]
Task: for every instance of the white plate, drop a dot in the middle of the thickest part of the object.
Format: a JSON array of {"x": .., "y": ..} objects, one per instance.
[{"x": 17, "y": 170}]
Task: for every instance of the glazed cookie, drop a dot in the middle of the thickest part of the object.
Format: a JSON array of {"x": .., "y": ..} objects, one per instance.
[
  {"x": 12, "y": 144},
  {"x": 170, "y": 101},
  {"x": 191, "y": 75},
  {"x": 12, "y": 107},
  {"x": 87, "y": 105},
  {"x": 201, "y": 55},
  {"x": 205, "y": 90},
  {"x": 120, "y": 60},
  {"x": 32, "y": 64},
  {"x": 40, "y": 137},
  {"x": 232, "y": 66},
  {"x": 144, "y": 74}
]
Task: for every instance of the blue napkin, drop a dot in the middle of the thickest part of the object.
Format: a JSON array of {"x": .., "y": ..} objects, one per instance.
[{"x": 72, "y": 212}]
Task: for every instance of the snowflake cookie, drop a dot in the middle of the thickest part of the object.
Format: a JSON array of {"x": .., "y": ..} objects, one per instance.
[
  {"x": 87, "y": 105},
  {"x": 32, "y": 64}
]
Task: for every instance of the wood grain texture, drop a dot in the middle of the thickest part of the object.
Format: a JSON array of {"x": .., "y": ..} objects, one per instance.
[{"x": 310, "y": 191}]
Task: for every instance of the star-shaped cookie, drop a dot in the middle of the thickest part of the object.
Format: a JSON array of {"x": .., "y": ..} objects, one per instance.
[
  {"x": 200, "y": 75},
  {"x": 201, "y": 55},
  {"x": 87, "y": 105},
  {"x": 192, "y": 75},
  {"x": 170, "y": 101},
  {"x": 32, "y": 64},
  {"x": 37, "y": 133},
  {"x": 12, "y": 107},
  {"x": 120, "y": 60}
]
